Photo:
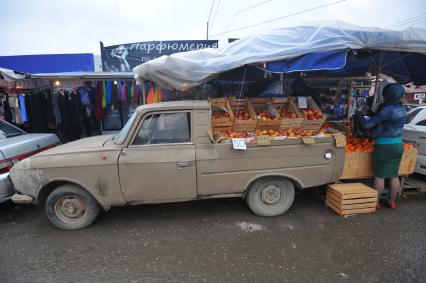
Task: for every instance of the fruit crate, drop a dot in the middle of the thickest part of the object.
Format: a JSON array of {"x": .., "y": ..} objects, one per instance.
[
  {"x": 267, "y": 115},
  {"x": 286, "y": 107},
  {"x": 358, "y": 165},
  {"x": 245, "y": 117},
  {"x": 312, "y": 124},
  {"x": 351, "y": 198},
  {"x": 222, "y": 116}
]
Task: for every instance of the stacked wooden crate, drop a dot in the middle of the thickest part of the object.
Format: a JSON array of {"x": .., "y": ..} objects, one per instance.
[
  {"x": 351, "y": 198},
  {"x": 222, "y": 115},
  {"x": 286, "y": 105},
  {"x": 262, "y": 107},
  {"x": 245, "y": 117}
]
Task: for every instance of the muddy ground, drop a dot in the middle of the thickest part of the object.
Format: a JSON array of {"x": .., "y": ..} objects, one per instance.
[{"x": 218, "y": 241}]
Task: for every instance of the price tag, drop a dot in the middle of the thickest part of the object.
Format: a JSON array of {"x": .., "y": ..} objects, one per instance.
[
  {"x": 340, "y": 140},
  {"x": 302, "y": 102},
  {"x": 239, "y": 144},
  {"x": 263, "y": 140},
  {"x": 308, "y": 140}
]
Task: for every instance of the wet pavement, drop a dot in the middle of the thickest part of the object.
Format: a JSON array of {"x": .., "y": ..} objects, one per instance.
[{"x": 218, "y": 241}]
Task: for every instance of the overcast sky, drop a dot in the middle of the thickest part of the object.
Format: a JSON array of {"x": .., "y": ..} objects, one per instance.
[{"x": 52, "y": 26}]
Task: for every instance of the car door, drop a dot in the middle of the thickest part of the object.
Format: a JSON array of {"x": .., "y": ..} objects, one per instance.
[{"x": 159, "y": 163}]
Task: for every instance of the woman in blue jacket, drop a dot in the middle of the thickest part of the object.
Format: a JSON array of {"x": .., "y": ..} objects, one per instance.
[{"x": 386, "y": 127}]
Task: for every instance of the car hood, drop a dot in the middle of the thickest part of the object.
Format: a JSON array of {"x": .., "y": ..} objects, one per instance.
[{"x": 82, "y": 145}]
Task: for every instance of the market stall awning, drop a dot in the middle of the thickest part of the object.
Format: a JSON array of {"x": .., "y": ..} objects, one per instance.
[
  {"x": 85, "y": 75},
  {"x": 309, "y": 62},
  {"x": 188, "y": 69},
  {"x": 10, "y": 75}
]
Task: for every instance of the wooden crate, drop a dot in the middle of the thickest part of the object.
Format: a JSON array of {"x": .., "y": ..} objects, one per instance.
[
  {"x": 289, "y": 123},
  {"x": 220, "y": 106},
  {"x": 312, "y": 124},
  {"x": 351, "y": 198},
  {"x": 238, "y": 106},
  {"x": 260, "y": 104},
  {"x": 408, "y": 162},
  {"x": 359, "y": 164}
]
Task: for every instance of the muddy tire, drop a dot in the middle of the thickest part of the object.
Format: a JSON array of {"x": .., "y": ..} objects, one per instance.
[
  {"x": 69, "y": 207},
  {"x": 270, "y": 196}
]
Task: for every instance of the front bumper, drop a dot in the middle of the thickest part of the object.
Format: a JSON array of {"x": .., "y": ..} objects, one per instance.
[{"x": 6, "y": 187}]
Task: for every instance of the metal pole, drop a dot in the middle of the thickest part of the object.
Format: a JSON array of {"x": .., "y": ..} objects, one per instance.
[
  {"x": 376, "y": 87},
  {"x": 207, "y": 30}
]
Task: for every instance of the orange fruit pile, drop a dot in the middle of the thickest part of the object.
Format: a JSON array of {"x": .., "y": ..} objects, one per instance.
[
  {"x": 358, "y": 144},
  {"x": 408, "y": 146},
  {"x": 285, "y": 112}
]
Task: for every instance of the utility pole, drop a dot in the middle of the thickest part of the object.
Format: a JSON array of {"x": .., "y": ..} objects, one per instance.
[{"x": 207, "y": 30}]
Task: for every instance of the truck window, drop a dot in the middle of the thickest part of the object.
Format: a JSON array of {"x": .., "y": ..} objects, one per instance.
[{"x": 164, "y": 128}]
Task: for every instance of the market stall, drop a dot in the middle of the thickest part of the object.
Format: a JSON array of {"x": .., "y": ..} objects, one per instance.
[{"x": 344, "y": 64}]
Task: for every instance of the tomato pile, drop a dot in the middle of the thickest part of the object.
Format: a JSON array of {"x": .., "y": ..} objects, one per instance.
[
  {"x": 312, "y": 114},
  {"x": 220, "y": 115},
  {"x": 354, "y": 144},
  {"x": 285, "y": 112},
  {"x": 265, "y": 115},
  {"x": 243, "y": 115}
]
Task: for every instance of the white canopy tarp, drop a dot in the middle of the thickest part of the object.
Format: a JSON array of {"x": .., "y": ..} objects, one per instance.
[
  {"x": 188, "y": 69},
  {"x": 10, "y": 75}
]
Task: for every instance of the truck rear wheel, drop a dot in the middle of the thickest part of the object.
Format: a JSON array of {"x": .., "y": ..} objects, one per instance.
[
  {"x": 270, "y": 196},
  {"x": 70, "y": 208}
]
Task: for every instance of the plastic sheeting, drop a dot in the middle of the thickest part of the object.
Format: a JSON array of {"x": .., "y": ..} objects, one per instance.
[
  {"x": 10, "y": 75},
  {"x": 188, "y": 69}
]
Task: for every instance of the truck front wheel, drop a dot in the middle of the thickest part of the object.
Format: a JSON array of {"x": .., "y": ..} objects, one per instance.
[
  {"x": 270, "y": 196},
  {"x": 69, "y": 207}
]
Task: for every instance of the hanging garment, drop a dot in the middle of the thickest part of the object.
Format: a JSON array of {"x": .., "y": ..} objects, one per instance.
[
  {"x": 131, "y": 92},
  {"x": 104, "y": 104},
  {"x": 14, "y": 105},
  {"x": 22, "y": 107},
  {"x": 85, "y": 101},
  {"x": 6, "y": 107},
  {"x": 108, "y": 94},
  {"x": 51, "y": 119},
  {"x": 135, "y": 93},
  {"x": 144, "y": 93},
  {"x": 115, "y": 99},
  {"x": 98, "y": 105},
  {"x": 55, "y": 108},
  {"x": 123, "y": 94},
  {"x": 150, "y": 96},
  {"x": 44, "y": 107}
]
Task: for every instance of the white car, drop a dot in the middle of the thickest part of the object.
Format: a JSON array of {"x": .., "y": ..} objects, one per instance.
[
  {"x": 16, "y": 145},
  {"x": 415, "y": 134}
]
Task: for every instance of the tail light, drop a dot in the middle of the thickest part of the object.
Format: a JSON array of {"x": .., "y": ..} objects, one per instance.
[{"x": 7, "y": 164}]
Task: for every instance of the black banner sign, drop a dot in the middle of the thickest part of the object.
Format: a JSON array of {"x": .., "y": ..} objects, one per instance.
[{"x": 124, "y": 57}]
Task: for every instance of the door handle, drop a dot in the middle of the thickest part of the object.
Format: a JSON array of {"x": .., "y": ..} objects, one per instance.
[{"x": 183, "y": 165}]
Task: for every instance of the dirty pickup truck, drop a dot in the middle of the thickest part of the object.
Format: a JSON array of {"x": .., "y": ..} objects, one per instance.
[{"x": 164, "y": 153}]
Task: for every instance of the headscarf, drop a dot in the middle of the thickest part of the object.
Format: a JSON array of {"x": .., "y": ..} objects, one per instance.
[{"x": 393, "y": 93}]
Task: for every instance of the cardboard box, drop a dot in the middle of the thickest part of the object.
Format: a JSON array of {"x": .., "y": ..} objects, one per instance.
[{"x": 351, "y": 198}]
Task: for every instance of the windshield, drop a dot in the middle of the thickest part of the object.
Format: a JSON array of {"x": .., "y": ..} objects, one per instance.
[
  {"x": 8, "y": 131},
  {"x": 121, "y": 136},
  {"x": 412, "y": 114}
]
